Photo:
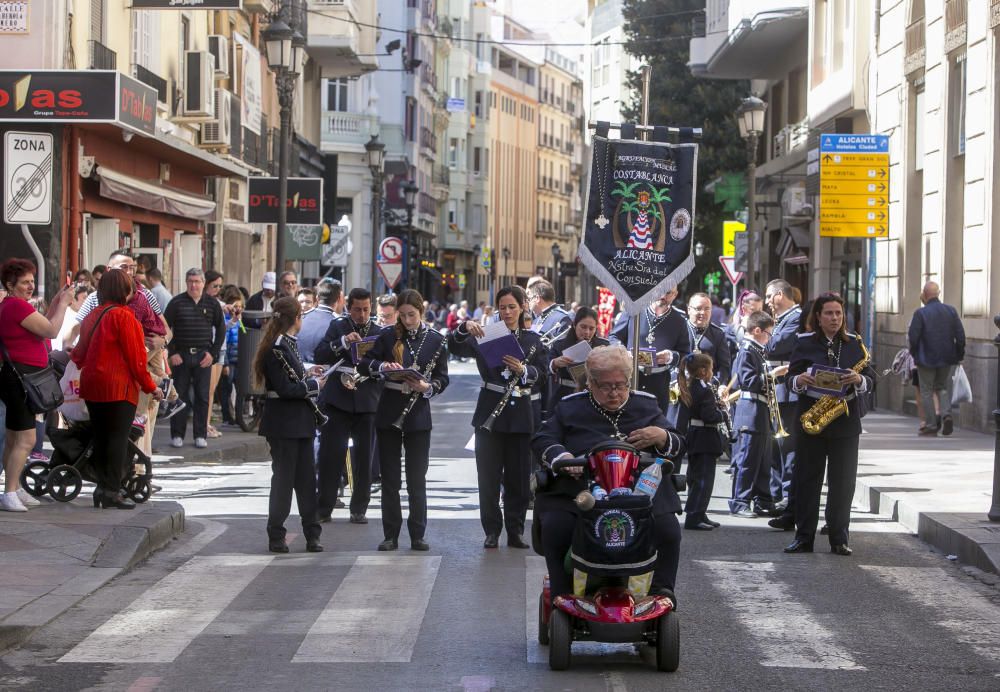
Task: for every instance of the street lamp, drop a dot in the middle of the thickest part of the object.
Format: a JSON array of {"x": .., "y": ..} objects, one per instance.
[
  {"x": 506, "y": 256},
  {"x": 556, "y": 256},
  {"x": 750, "y": 118},
  {"x": 375, "y": 151},
  {"x": 699, "y": 249},
  {"x": 284, "y": 50},
  {"x": 410, "y": 190}
]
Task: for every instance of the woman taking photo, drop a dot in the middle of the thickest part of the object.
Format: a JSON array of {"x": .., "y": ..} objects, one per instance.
[
  {"x": 23, "y": 333},
  {"x": 584, "y": 329},
  {"x": 403, "y": 419},
  {"x": 111, "y": 355},
  {"x": 504, "y": 424},
  {"x": 288, "y": 421}
]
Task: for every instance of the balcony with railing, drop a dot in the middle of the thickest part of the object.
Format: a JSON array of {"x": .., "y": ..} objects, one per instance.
[
  {"x": 955, "y": 20},
  {"x": 442, "y": 175},
  {"x": 914, "y": 47},
  {"x": 102, "y": 57},
  {"x": 341, "y": 131},
  {"x": 428, "y": 140},
  {"x": 427, "y": 204},
  {"x": 340, "y": 37}
]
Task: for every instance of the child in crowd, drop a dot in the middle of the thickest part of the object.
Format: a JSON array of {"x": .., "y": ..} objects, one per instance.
[{"x": 706, "y": 428}]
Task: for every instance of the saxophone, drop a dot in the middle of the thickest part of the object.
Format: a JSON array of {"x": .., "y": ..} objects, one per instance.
[{"x": 829, "y": 408}]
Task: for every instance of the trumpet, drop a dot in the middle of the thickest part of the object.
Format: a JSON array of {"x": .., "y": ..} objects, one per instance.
[
  {"x": 772, "y": 406},
  {"x": 726, "y": 426},
  {"x": 352, "y": 380},
  {"x": 548, "y": 339}
]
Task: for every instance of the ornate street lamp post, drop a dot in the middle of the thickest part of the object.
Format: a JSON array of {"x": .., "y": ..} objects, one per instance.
[
  {"x": 375, "y": 150},
  {"x": 750, "y": 117}
]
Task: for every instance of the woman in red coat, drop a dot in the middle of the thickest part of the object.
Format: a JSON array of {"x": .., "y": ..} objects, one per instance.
[{"x": 111, "y": 355}]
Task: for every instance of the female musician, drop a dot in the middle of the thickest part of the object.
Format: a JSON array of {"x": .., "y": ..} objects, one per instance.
[
  {"x": 403, "y": 419},
  {"x": 288, "y": 421},
  {"x": 701, "y": 409},
  {"x": 584, "y": 329},
  {"x": 505, "y": 418},
  {"x": 827, "y": 342}
]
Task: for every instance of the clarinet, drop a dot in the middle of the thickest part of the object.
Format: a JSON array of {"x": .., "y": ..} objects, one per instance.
[
  {"x": 488, "y": 423},
  {"x": 398, "y": 425},
  {"x": 321, "y": 418}
]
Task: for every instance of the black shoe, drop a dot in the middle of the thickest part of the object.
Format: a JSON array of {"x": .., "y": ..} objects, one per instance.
[
  {"x": 516, "y": 542},
  {"x": 825, "y": 530},
  {"x": 841, "y": 549},
  {"x": 947, "y": 426},
  {"x": 325, "y": 518},
  {"x": 388, "y": 544},
  {"x": 786, "y": 522},
  {"x": 339, "y": 504},
  {"x": 376, "y": 487},
  {"x": 277, "y": 545},
  {"x": 697, "y": 525},
  {"x": 492, "y": 541},
  {"x": 799, "y": 546},
  {"x": 930, "y": 432},
  {"x": 706, "y": 520},
  {"x": 314, "y": 547},
  {"x": 766, "y": 509},
  {"x": 106, "y": 500},
  {"x": 419, "y": 544},
  {"x": 359, "y": 519}
]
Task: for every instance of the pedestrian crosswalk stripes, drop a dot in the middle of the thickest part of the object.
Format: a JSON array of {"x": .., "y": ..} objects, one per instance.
[
  {"x": 376, "y": 613},
  {"x": 788, "y": 633},
  {"x": 972, "y": 619},
  {"x": 160, "y": 624}
]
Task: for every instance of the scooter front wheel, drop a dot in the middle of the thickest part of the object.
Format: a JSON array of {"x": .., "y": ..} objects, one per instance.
[
  {"x": 560, "y": 640},
  {"x": 668, "y": 642}
]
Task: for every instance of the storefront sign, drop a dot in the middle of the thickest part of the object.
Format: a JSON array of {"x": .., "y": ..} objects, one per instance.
[
  {"x": 252, "y": 93},
  {"x": 305, "y": 201},
  {"x": 27, "y": 178},
  {"x": 187, "y": 4},
  {"x": 638, "y": 238},
  {"x": 13, "y": 17},
  {"x": 77, "y": 96}
]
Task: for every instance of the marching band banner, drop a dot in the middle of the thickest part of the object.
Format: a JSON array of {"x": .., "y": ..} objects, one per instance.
[{"x": 637, "y": 237}]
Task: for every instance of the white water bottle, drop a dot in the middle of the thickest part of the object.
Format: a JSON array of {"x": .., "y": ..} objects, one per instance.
[{"x": 650, "y": 479}]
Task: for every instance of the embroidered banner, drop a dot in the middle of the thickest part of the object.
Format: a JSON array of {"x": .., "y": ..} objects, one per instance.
[
  {"x": 605, "y": 311},
  {"x": 637, "y": 237}
]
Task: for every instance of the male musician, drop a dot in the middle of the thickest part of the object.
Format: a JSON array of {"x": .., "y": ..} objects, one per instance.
[
  {"x": 752, "y": 422},
  {"x": 663, "y": 327},
  {"x": 330, "y": 298},
  {"x": 386, "y": 311},
  {"x": 549, "y": 321},
  {"x": 787, "y": 315},
  {"x": 351, "y": 412},
  {"x": 707, "y": 337}
]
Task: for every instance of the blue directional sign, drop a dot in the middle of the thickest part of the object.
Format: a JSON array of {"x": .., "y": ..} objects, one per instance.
[{"x": 854, "y": 144}]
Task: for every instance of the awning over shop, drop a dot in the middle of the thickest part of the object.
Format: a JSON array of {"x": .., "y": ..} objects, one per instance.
[
  {"x": 153, "y": 195},
  {"x": 794, "y": 244}
]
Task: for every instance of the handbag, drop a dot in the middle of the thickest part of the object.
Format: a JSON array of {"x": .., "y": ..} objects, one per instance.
[{"x": 42, "y": 392}]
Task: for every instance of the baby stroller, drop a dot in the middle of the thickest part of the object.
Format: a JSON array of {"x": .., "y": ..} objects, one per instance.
[
  {"x": 611, "y": 561},
  {"x": 62, "y": 476}
]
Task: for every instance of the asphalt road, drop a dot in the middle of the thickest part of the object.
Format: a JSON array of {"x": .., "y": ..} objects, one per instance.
[{"x": 216, "y": 611}]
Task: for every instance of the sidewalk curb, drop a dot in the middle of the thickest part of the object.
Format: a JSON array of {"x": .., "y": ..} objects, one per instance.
[
  {"x": 255, "y": 449},
  {"x": 971, "y": 537},
  {"x": 126, "y": 546}
]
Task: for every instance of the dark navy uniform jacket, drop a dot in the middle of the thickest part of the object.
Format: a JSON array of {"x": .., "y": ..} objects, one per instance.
[
  {"x": 564, "y": 384},
  {"x": 289, "y": 416},
  {"x": 425, "y": 344},
  {"x": 553, "y": 321},
  {"x": 577, "y": 426},
  {"x": 812, "y": 348},
  {"x": 750, "y": 367},
  {"x": 712, "y": 342},
  {"x": 780, "y": 347},
  {"x": 521, "y": 415},
  {"x": 332, "y": 349},
  {"x": 702, "y": 439},
  {"x": 669, "y": 334}
]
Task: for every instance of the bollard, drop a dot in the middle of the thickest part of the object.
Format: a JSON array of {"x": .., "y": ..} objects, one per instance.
[{"x": 994, "y": 514}]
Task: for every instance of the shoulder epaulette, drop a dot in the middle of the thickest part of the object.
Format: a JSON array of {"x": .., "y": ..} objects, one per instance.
[
  {"x": 805, "y": 334},
  {"x": 852, "y": 336},
  {"x": 574, "y": 395},
  {"x": 277, "y": 342},
  {"x": 638, "y": 392}
]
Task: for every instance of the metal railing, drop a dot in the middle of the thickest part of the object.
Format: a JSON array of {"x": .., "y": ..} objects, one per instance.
[
  {"x": 154, "y": 80},
  {"x": 914, "y": 47},
  {"x": 102, "y": 57},
  {"x": 442, "y": 175}
]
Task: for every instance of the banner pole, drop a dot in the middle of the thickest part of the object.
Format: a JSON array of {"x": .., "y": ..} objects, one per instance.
[{"x": 645, "y": 71}]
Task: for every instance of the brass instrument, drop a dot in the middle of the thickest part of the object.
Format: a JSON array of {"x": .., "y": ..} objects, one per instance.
[
  {"x": 726, "y": 426},
  {"x": 293, "y": 375},
  {"x": 829, "y": 408},
  {"x": 505, "y": 399},
  {"x": 675, "y": 393},
  {"x": 398, "y": 425},
  {"x": 548, "y": 339},
  {"x": 771, "y": 392},
  {"x": 352, "y": 380}
]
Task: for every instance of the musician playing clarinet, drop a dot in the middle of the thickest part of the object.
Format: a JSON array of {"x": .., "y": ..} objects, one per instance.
[
  {"x": 403, "y": 418},
  {"x": 288, "y": 421},
  {"x": 504, "y": 419}
]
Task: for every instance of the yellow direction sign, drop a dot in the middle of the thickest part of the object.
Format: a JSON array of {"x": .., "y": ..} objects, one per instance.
[
  {"x": 854, "y": 186},
  {"x": 729, "y": 231}
]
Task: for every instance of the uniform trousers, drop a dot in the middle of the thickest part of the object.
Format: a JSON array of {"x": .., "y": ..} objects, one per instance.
[
  {"x": 752, "y": 469},
  {"x": 111, "y": 423},
  {"x": 700, "y": 481},
  {"x": 842, "y": 472},
  {"x": 188, "y": 376},
  {"x": 339, "y": 429},
  {"x": 391, "y": 444},
  {"x": 503, "y": 458},
  {"x": 783, "y": 455},
  {"x": 557, "y": 538},
  {"x": 292, "y": 469}
]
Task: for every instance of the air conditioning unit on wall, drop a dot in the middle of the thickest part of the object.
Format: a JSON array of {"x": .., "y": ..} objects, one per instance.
[
  {"x": 218, "y": 46},
  {"x": 218, "y": 132},
  {"x": 199, "y": 85}
]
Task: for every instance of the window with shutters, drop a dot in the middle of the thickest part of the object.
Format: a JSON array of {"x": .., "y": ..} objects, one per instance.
[
  {"x": 97, "y": 20},
  {"x": 145, "y": 39},
  {"x": 337, "y": 95}
]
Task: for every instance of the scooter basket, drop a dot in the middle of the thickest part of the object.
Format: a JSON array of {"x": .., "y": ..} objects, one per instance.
[{"x": 615, "y": 538}]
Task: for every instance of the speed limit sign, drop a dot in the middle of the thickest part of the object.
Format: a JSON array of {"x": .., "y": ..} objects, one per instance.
[{"x": 27, "y": 178}]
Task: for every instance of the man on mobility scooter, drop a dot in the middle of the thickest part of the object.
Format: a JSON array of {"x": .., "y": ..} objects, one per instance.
[{"x": 607, "y": 424}]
